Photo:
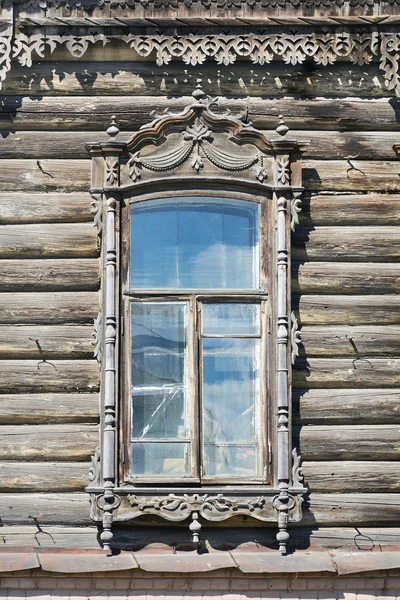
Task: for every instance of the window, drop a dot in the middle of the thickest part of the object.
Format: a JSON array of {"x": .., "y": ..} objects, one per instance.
[
  {"x": 195, "y": 212},
  {"x": 197, "y": 343}
]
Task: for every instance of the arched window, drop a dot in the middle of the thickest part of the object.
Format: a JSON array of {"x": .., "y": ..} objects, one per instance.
[{"x": 195, "y": 212}]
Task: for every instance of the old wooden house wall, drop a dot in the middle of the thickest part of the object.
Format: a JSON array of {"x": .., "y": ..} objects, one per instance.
[{"x": 346, "y": 280}]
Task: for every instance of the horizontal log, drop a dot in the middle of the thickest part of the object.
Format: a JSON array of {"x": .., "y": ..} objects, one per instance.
[
  {"x": 18, "y": 409},
  {"x": 346, "y": 372},
  {"x": 324, "y": 509},
  {"x": 356, "y": 341},
  {"x": 54, "y": 509},
  {"x": 351, "y": 476},
  {"x": 72, "y": 175},
  {"x": 345, "y": 278},
  {"x": 75, "y": 442},
  {"x": 54, "y": 275},
  {"x": 346, "y": 406},
  {"x": 45, "y": 208},
  {"x": 43, "y": 477},
  {"x": 48, "y": 307},
  {"x": 86, "y": 538},
  {"x": 350, "y": 244},
  {"x": 52, "y": 78},
  {"x": 93, "y": 113},
  {"x": 351, "y": 509},
  {"x": 350, "y": 209},
  {"x": 327, "y": 144},
  {"x": 356, "y": 175},
  {"x": 75, "y": 240},
  {"x": 347, "y": 310},
  {"x": 35, "y": 376},
  {"x": 42, "y": 341},
  {"x": 348, "y": 442},
  {"x": 45, "y": 175}
]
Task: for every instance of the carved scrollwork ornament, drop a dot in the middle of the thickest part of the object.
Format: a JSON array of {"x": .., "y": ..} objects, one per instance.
[
  {"x": 295, "y": 337},
  {"x": 97, "y": 339},
  {"x": 297, "y": 472},
  {"x": 95, "y": 469},
  {"x": 97, "y": 212},
  {"x": 295, "y": 210}
]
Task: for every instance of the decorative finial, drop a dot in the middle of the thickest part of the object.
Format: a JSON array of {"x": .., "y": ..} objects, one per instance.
[
  {"x": 198, "y": 93},
  {"x": 113, "y": 129},
  {"x": 282, "y": 128}
]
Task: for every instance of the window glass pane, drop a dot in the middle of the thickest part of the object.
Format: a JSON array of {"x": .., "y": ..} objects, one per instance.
[
  {"x": 194, "y": 243},
  {"x": 230, "y": 402},
  {"x": 158, "y": 343},
  {"x": 159, "y": 384},
  {"x": 238, "y": 318},
  {"x": 230, "y": 460},
  {"x": 159, "y": 413},
  {"x": 158, "y": 458}
]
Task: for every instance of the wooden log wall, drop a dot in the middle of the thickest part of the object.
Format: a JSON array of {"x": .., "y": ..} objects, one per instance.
[{"x": 346, "y": 280}]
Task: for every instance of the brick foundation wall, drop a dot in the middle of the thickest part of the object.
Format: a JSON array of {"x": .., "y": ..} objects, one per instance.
[{"x": 149, "y": 586}]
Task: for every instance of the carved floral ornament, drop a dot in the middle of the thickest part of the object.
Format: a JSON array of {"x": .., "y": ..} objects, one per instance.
[
  {"x": 197, "y": 144},
  {"x": 324, "y": 47}
]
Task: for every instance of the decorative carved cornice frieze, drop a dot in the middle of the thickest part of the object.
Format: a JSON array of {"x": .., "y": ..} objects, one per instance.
[
  {"x": 90, "y": 4},
  {"x": 358, "y": 45}
]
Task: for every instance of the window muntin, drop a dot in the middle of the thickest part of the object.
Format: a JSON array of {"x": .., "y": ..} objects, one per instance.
[
  {"x": 211, "y": 439},
  {"x": 194, "y": 243}
]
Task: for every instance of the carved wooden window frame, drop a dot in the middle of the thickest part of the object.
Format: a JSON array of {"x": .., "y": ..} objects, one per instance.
[{"x": 197, "y": 149}]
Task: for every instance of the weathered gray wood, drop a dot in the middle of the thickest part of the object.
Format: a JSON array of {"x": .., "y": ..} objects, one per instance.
[
  {"x": 328, "y": 144},
  {"x": 351, "y": 209},
  {"x": 348, "y": 278},
  {"x": 348, "y": 442},
  {"x": 94, "y": 113},
  {"x": 48, "y": 408},
  {"x": 350, "y": 244},
  {"x": 48, "y": 307},
  {"x": 45, "y": 208},
  {"x": 53, "y": 275},
  {"x": 34, "y": 376},
  {"x": 346, "y": 372},
  {"x": 74, "y": 175},
  {"x": 367, "y": 340},
  {"x": 346, "y": 406},
  {"x": 45, "y": 175},
  {"x": 75, "y": 240},
  {"x": 348, "y": 310},
  {"x": 70, "y": 509},
  {"x": 35, "y": 341},
  {"x": 352, "y": 476},
  {"x": 242, "y": 79},
  {"x": 356, "y": 175},
  {"x": 43, "y": 477},
  {"x": 53, "y": 537},
  {"x": 351, "y": 510},
  {"x": 301, "y": 537},
  {"x": 76, "y": 442},
  {"x": 325, "y": 509}
]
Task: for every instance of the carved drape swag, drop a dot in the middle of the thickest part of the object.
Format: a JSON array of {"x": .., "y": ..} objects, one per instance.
[{"x": 197, "y": 145}]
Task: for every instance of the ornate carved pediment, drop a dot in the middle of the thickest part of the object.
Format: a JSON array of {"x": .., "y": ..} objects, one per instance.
[{"x": 197, "y": 137}]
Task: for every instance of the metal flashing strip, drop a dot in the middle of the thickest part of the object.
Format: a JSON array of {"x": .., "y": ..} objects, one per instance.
[{"x": 157, "y": 560}]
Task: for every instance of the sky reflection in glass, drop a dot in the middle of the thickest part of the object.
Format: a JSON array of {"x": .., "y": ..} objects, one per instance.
[{"x": 194, "y": 243}]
